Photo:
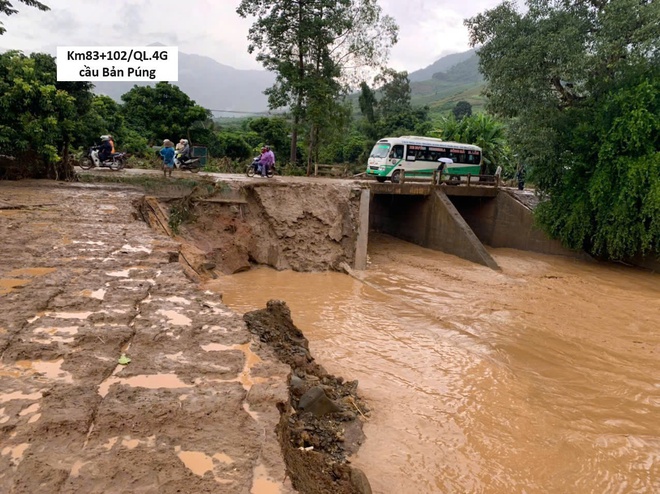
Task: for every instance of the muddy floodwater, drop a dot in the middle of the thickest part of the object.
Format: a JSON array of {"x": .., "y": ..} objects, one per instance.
[{"x": 544, "y": 377}]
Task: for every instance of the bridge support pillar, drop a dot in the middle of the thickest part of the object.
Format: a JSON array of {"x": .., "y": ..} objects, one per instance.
[
  {"x": 363, "y": 231},
  {"x": 448, "y": 231}
]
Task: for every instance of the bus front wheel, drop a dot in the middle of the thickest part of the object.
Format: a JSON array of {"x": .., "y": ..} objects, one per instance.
[
  {"x": 396, "y": 177},
  {"x": 381, "y": 179}
]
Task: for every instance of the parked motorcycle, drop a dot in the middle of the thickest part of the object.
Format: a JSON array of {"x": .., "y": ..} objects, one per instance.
[
  {"x": 254, "y": 168},
  {"x": 91, "y": 160}
]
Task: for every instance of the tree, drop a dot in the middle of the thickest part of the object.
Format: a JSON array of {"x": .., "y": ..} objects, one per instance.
[
  {"x": 462, "y": 109},
  {"x": 480, "y": 130},
  {"x": 273, "y": 131},
  {"x": 161, "y": 112},
  {"x": 367, "y": 101},
  {"x": 71, "y": 128},
  {"x": 38, "y": 116},
  {"x": 7, "y": 8},
  {"x": 234, "y": 146},
  {"x": 395, "y": 88},
  {"x": 578, "y": 81},
  {"x": 313, "y": 46}
]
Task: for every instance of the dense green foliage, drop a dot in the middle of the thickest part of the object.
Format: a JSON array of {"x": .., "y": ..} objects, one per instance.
[
  {"x": 484, "y": 131},
  {"x": 39, "y": 115},
  {"x": 462, "y": 109},
  {"x": 579, "y": 82},
  {"x": 161, "y": 112}
]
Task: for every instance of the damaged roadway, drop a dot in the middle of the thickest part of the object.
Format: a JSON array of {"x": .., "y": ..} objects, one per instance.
[{"x": 81, "y": 283}]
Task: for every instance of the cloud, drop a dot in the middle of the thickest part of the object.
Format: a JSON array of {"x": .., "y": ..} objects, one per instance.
[{"x": 428, "y": 28}]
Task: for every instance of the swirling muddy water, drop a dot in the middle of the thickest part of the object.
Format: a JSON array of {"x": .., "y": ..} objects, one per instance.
[{"x": 544, "y": 377}]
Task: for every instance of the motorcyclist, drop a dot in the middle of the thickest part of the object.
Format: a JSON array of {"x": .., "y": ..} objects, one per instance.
[
  {"x": 105, "y": 151},
  {"x": 266, "y": 160},
  {"x": 184, "y": 152}
]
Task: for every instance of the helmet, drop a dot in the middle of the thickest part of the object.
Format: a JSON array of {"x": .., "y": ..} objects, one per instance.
[
  {"x": 105, "y": 138},
  {"x": 267, "y": 148}
]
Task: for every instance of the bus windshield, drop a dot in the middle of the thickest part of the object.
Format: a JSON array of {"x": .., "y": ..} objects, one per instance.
[{"x": 380, "y": 151}]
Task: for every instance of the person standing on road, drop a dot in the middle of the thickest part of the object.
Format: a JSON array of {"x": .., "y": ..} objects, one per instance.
[{"x": 167, "y": 152}]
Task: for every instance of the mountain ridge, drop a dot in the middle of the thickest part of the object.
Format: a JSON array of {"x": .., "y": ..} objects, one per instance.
[
  {"x": 210, "y": 84},
  {"x": 239, "y": 92}
]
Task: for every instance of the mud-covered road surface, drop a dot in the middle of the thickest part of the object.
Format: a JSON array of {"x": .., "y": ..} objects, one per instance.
[{"x": 82, "y": 282}]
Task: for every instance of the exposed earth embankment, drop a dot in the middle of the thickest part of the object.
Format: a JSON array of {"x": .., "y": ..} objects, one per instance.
[{"x": 226, "y": 227}]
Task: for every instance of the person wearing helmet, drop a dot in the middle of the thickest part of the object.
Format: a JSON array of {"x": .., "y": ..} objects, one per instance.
[
  {"x": 167, "y": 152},
  {"x": 105, "y": 152},
  {"x": 266, "y": 160},
  {"x": 183, "y": 153},
  {"x": 177, "y": 151}
]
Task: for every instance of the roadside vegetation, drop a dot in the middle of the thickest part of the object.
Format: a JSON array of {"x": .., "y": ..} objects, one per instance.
[{"x": 578, "y": 83}]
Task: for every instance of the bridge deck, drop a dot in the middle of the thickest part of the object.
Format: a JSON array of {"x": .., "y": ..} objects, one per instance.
[{"x": 419, "y": 189}]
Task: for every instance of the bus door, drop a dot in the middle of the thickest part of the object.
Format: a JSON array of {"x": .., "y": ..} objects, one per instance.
[{"x": 396, "y": 155}]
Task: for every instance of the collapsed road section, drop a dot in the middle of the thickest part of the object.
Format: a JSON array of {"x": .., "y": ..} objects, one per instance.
[{"x": 225, "y": 227}]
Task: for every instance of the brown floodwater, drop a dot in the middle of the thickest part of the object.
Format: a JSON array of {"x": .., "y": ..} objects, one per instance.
[{"x": 541, "y": 378}]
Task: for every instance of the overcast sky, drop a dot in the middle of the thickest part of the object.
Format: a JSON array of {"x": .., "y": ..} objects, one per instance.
[{"x": 429, "y": 29}]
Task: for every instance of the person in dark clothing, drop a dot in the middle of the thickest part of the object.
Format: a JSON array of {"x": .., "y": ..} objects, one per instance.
[
  {"x": 520, "y": 175},
  {"x": 106, "y": 148}
]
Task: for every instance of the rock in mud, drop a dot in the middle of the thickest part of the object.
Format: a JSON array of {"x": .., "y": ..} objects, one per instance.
[
  {"x": 359, "y": 481},
  {"x": 315, "y": 401},
  {"x": 297, "y": 385}
]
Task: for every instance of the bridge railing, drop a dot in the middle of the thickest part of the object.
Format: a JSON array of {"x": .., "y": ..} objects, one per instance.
[
  {"x": 457, "y": 179},
  {"x": 332, "y": 170}
]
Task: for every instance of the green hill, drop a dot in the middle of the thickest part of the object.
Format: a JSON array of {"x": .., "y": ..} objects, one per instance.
[
  {"x": 442, "y": 64},
  {"x": 461, "y": 81}
]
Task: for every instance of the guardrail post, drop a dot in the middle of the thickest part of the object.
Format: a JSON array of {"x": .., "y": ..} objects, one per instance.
[
  {"x": 435, "y": 177},
  {"x": 469, "y": 178},
  {"x": 402, "y": 176},
  {"x": 316, "y": 169}
]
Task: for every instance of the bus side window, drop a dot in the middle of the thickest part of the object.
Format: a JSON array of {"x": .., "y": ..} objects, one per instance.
[{"x": 397, "y": 152}]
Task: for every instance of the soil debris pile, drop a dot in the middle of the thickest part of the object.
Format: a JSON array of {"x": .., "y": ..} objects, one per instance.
[
  {"x": 302, "y": 227},
  {"x": 321, "y": 425}
]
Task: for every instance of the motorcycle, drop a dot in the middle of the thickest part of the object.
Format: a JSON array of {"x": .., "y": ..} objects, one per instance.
[
  {"x": 91, "y": 160},
  {"x": 191, "y": 164},
  {"x": 254, "y": 168}
]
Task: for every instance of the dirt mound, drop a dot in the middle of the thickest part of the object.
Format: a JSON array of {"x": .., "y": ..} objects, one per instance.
[
  {"x": 224, "y": 228},
  {"x": 320, "y": 426}
]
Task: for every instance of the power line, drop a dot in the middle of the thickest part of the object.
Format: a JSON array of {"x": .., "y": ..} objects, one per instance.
[{"x": 245, "y": 112}]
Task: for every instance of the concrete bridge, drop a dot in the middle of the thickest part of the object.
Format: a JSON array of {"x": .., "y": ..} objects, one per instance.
[{"x": 456, "y": 219}]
